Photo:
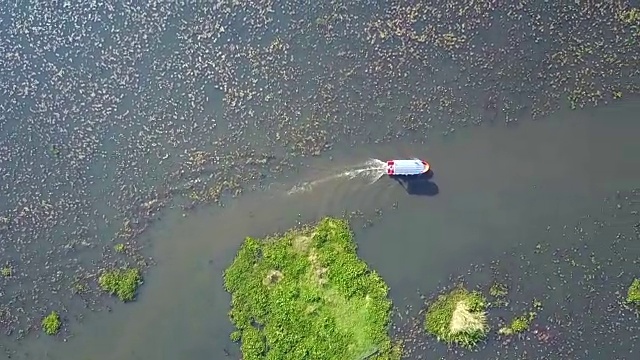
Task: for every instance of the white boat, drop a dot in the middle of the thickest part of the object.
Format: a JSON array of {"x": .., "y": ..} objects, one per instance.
[{"x": 407, "y": 167}]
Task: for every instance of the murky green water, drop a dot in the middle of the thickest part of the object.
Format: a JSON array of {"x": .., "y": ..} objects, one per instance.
[{"x": 498, "y": 188}]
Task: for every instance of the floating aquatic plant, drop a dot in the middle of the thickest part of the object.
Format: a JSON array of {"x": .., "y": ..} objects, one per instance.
[
  {"x": 498, "y": 290},
  {"x": 6, "y": 271},
  {"x": 119, "y": 248},
  {"x": 121, "y": 282},
  {"x": 51, "y": 323},
  {"x": 518, "y": 325},
  {"x": 522, "y": 323}
]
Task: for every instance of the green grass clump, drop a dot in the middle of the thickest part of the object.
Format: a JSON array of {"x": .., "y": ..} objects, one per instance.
[
  {"x": 633, "y": 294},
  {"x": 121, "y": 282},
  {"x": 518, "y": 325},
  {"x": 6, "y": 271},
  {"x": 119, "y": 248},
  {"x": 307, "y": 295},
  {"x": 630, "y": 16},
  {"x": 522, "y": 323},
  {"x": 51, "y": 323},
  {"x": 458, "y": 317}
]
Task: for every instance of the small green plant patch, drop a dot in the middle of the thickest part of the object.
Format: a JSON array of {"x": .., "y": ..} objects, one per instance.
[
  {"x": 633, "y": 294},
  {"x": 119, "y": 248},
  {"x": 518, "y": 325},
  {"x": 498, "y": 293},
  {"x": 6, "y": 271},
  {"x": 458, "y": 317},
  {"x": 498, "y": 290},
  {"x": 522, "y": 323},
  {"x": 121, "y": 282},
  {"x": 51, "y": 323},
  {"x": 307, "y": 295}
]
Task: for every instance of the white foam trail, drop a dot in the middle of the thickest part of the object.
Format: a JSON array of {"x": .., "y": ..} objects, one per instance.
[{"x": 372, "y": 170}]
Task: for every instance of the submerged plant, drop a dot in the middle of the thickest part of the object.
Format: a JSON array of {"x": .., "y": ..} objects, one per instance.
[
  {"x": 458, "y": 317},
  {"x": 498, "y": 293},
  {"x": 78, "y": 287},
  {"x": 633, "y": 294},
  {"x": 121, "y": 282},
  {"x": 306, "y": 295},
  {"x": 498, "y": 290},
  {"x": 51, "y": 323}
]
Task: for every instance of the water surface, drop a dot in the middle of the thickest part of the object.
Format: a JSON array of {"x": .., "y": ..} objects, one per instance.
[{"x": 498, "y": 187}]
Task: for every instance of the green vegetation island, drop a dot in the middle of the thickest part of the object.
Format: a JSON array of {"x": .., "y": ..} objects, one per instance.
[
  {"x": 305, "y": 294},
  {"x": 458, "y": 317}
]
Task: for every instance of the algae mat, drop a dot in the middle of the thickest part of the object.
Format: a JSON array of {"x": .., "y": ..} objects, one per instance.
[{"x": 306, "y": 295}]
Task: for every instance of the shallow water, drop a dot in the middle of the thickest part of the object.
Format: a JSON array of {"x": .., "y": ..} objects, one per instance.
[
  {"x": 127, "y": 94},
  {"x": 497, "y": 188}
]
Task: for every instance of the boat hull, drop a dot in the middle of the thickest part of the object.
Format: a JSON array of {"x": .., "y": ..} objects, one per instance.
[{"x": 407, "y": 167}]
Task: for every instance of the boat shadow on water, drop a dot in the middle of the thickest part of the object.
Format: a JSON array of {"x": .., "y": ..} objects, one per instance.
[{"x": 419, "y": 184}]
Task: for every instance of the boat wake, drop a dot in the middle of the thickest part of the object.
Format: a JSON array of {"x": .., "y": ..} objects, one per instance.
[{"x": 370, "y": 171}]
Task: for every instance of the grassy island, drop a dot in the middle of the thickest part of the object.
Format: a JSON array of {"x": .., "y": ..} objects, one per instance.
[
  {"x": 307, "y": 295},
  {"x": 121, "y": 282},
  {"x": 458, "y": 317},
  {"x": 633, "y": 294}
]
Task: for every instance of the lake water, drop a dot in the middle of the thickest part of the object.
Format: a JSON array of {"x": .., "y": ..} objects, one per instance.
[
  {"x": 500, "y": 189},
  {"x": 110, "y": 111}
]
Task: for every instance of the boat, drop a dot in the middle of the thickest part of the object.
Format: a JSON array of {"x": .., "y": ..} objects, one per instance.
[{"x": 407, "y": 167}]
